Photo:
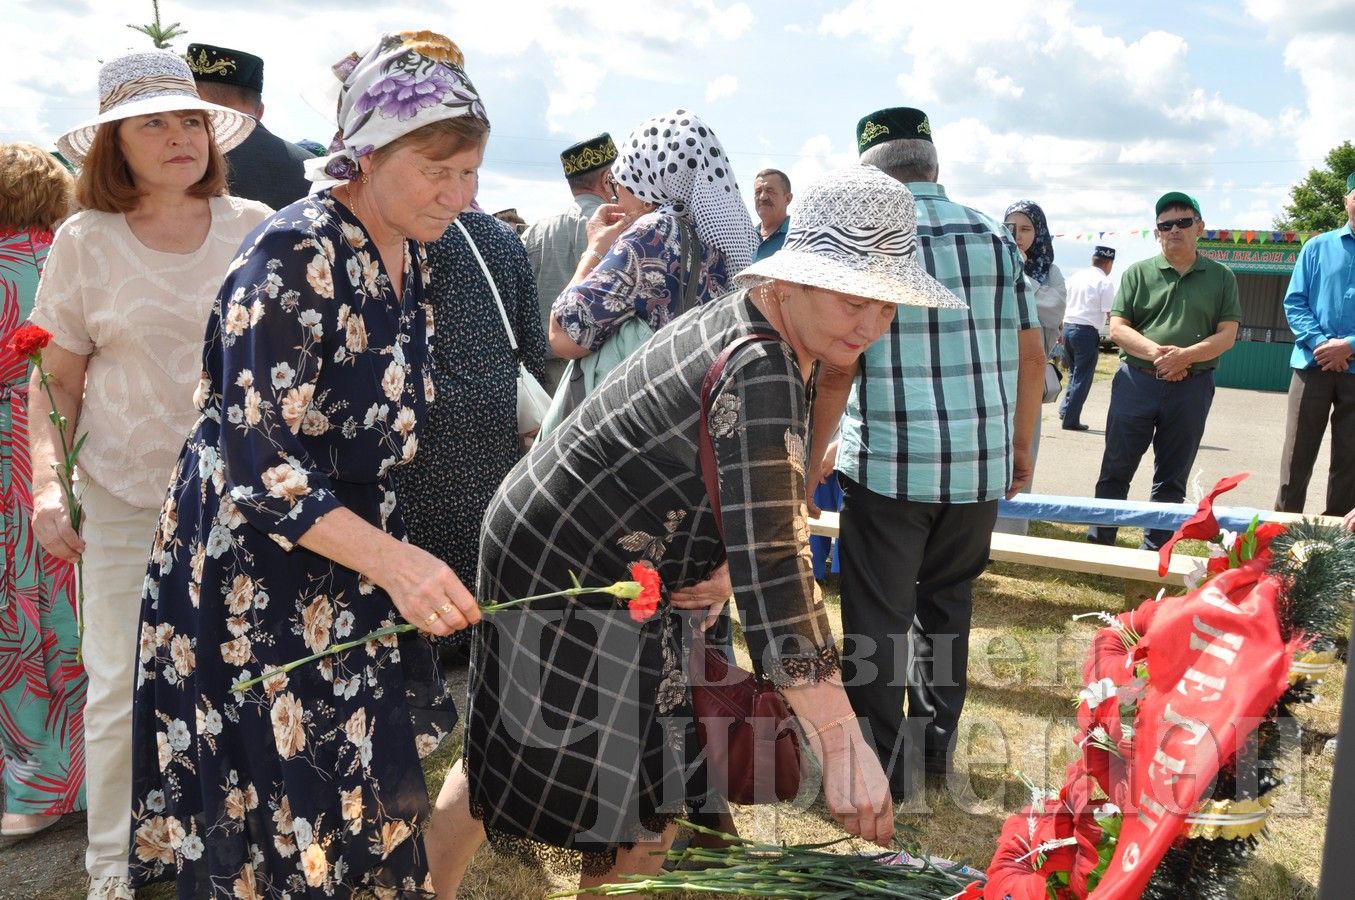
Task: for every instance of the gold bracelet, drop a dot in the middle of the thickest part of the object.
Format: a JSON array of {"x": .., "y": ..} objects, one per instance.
[{"x": 849, "y": 717}]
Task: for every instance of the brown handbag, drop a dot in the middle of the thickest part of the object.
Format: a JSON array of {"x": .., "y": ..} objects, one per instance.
[{"x": 743, "y": 724}]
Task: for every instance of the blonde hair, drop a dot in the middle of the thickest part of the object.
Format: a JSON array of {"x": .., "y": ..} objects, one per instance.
[{"x": 35, "y": 189}]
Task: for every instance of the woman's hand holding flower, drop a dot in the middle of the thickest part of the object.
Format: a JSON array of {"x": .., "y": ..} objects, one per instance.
[
  {"x": 428, "y": 594},
  {"x": 52, "y": 523}
]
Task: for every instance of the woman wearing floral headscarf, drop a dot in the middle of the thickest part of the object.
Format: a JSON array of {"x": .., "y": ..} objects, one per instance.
[
  {"x": 674, "y": 236},
  {"x": 1026, "y": 222},
  {"x": 281, "y": 532}
]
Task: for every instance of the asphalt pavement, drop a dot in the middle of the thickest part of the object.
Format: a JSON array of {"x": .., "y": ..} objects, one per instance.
[{"x": 1244, "y": 433}]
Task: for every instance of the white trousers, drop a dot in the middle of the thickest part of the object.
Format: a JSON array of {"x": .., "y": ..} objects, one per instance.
[{"x": 118, "y": 539}]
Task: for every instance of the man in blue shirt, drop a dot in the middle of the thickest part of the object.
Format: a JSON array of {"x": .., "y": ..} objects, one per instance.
[
  {"x": 1320, "y": 307},
  {"x": 937, "y": 429},
  {"x": 771, "y": 196}
]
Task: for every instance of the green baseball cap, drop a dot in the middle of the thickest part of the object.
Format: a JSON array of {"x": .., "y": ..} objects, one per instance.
[
  {"x": 1350, "y": 182},
  {"x": 1177, "y": 198}
]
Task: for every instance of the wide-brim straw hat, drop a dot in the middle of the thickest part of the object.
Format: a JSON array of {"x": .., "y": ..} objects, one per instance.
[
  {"x": 855, "y": 231},
  {"x": 140, "y": 84}
]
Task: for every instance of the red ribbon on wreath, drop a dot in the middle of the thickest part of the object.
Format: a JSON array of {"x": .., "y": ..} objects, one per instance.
[{"x": 1216, "y": 665}]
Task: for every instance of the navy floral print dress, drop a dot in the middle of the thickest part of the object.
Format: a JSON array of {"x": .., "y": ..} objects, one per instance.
[{"x": 315, "y": 384}]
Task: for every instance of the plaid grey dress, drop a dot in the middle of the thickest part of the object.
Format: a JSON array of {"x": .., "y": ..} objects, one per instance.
[{"x": 579, "y": 734}]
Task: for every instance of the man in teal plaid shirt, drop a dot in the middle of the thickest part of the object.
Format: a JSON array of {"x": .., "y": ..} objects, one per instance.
[{"x": 937, "y": 429}]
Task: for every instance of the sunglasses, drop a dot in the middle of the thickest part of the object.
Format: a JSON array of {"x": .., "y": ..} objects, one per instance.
[{"x": 1176, "y": 223}]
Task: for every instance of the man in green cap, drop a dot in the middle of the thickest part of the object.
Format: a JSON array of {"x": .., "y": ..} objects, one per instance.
[
  {"x": 1173, "y": 317},
  {"x": 938, "y": 428},
  {"x": 1320, "y": 307},
  {"x": 555, "y": 243}
]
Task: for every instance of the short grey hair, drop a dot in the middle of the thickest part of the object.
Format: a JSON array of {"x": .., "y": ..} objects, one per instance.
[
  {"x": 907, "y": 159},
  {"x": 768, "y": 173}
]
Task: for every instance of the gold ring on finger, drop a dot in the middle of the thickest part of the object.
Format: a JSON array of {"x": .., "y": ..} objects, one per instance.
[
  {"x": 445, "y": 608},
  {"x": 432, "y": 617}
]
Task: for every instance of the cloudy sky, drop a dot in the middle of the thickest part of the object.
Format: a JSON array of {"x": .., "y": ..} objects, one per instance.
[{"x": 1090, "y": 109}]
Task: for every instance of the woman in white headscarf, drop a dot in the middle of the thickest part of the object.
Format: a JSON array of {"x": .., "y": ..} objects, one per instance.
[{"x": 674, "y": 236}]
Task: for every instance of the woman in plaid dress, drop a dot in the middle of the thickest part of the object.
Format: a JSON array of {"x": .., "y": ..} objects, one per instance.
[{"x": 580, "y": 739}]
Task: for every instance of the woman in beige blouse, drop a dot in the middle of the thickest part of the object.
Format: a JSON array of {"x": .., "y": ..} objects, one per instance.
[{"x": 126, "y": 293}]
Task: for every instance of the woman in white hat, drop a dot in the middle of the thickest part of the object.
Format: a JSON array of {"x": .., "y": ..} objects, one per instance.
[
  {"x": 281, "y": 532},
  {"x": 126, "y": 291},
  {"x": 578, "y": 735}
]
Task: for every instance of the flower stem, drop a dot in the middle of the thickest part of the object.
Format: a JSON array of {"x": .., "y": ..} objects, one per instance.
[
  {"x": 241, "y": 686},
  {"x": 65, "y": 476},
  {"x": 487, "y": 609},
  {"x": 567, "y": 592}
]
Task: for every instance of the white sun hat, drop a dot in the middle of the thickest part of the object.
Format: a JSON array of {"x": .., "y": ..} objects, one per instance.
[
  {"x": 139, "y": 84},
  {"x": 855, "y": 231}
]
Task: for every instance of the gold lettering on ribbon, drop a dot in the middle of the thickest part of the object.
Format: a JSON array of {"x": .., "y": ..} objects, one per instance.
[
  {"x": 1196, "y": 728},
  {"x": 1201, "y": 682},
  {"x": 1215, "y": 649},
  {"x": 1148, "y": 805}
]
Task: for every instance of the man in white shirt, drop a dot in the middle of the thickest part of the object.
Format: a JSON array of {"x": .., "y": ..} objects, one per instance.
[{"x": 1090, "y": 294}]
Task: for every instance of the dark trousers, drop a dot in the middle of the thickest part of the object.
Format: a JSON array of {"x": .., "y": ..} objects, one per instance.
[
  {"x": 1080, "y": 345},
  {"x": 1169, "y": 415},
  {"x": 1313, "y": 395},
  {"x": 908, "y": 572}
]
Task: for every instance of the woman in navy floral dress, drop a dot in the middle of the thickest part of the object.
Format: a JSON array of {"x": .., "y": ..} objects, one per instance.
[{"x": 281, "y": 533}]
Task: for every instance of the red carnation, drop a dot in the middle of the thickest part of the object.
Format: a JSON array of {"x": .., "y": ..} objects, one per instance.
[
  {"x": 28, "y": 340},
  {"x": 645, "y": 605}
]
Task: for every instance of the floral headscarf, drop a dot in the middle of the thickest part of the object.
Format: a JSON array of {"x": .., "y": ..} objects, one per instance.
[
  {"x": 676, "y": 161},
  {"x": 406, "y": 81},
  {"x": 1040, "y": 256}
]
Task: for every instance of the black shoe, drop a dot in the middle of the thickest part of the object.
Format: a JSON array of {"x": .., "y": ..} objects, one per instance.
[
  {"x": 933, "y": 766},
  {"x": 1077, "y": 427}
]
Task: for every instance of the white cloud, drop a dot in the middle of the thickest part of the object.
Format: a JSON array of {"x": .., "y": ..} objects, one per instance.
[
  {"x": 582, "y": 77},
  {"x": 818, "y": 156},
  {"x": 721, "y": 86},
  {"x": 1038, "y": 101},
  {"x": 1317, "y": 35},
  {"x": 533, "y": 198},
  {"x": 1038, "y": 67},
  {"x": 553, "y": 41},
  {"x": 997, "y": 85}
]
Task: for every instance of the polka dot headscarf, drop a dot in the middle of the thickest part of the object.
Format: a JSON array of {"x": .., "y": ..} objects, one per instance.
[{"x": 676, "y": 161}]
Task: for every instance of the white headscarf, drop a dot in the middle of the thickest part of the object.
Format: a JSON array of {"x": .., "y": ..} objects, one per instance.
[
  {"x": 676, "y": 161},
  {"x": 406, "y": 81}
]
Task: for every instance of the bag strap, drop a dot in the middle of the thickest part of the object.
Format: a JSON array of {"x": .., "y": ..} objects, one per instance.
[
  {"x": 690, "y": 254},
  {"x": 706, "y": 447},
  {"x": 493, "y": 288}
]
